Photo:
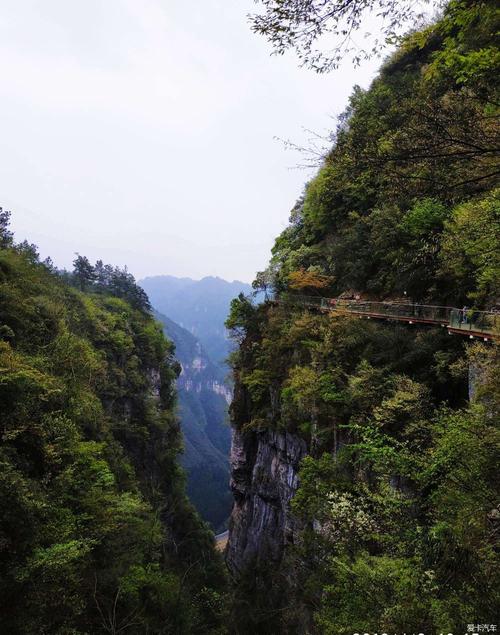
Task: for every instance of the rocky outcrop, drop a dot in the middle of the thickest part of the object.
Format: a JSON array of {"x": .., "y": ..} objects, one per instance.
[{"x": 264, "y": 468}]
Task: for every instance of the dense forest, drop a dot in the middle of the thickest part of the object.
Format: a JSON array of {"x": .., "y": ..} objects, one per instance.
[
  {"x": 96, "y": 532},
  {"x": 396, "y": 518}
]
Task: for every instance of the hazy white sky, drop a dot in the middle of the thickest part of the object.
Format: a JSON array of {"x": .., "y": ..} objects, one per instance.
[{"x": 142, "y": 132}]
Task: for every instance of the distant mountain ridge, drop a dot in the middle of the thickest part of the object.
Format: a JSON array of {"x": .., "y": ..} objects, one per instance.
[{"x": 199, "y": 306}]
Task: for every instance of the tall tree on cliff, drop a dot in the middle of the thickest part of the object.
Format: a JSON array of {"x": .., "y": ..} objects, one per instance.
[{"x": 83, "y": 272}]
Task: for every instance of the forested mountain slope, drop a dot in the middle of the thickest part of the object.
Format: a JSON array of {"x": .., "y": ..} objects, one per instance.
[
  {"x": 203, "y": 398},
  {"x": 365, "y": 480},
  {"x": 96, "y": 532}
]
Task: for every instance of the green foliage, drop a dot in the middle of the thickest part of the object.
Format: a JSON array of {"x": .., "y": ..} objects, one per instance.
[
  {"x": 83, "y": 272},
  {"x": 6, "y": 235},
  {"x": 101, "y": 278},
  {"x": 470, "y": 246},
  {"x": 256, "y": 383},
  {"x": 426, "y": 216},
  {"x": 96, "y": 533},
  {"x": 439, "y": 567},
  {"x": 241, "y": 315},
  {"x": 468, "y": 54},
  {"x": 387, "y": 210}
]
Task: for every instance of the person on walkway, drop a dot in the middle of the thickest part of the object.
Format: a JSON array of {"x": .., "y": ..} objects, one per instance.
[{"x": 464, "y": 315}]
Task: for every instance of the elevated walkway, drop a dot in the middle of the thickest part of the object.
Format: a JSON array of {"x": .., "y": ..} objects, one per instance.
[{"x": 474, "y": 324}]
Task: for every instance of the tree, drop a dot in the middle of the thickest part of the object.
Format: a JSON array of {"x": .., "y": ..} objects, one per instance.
[
  {"x": 264, "y": 281},
  {"x": 101, "y": 274},
  {"x": 470, "y": 246},
  {"x": 83, "y": 272},
  {"x": 121, "y": 283},
  {"x": 30, "y": 250},
  {"x": 299, "y": 24},
  {"x": 6, "y": 236},
  {"x": 307, "y": 279},
  {"x": 242, "y": 316}
]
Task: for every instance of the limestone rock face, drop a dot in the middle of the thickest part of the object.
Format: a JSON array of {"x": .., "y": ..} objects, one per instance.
[{"x": 264, "y": 468}]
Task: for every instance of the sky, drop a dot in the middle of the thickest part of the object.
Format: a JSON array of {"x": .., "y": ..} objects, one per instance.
[{"x": 144, "y": 133}]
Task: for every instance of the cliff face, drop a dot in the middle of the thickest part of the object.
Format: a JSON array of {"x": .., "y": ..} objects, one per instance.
[{"x": 264, "y": 468}]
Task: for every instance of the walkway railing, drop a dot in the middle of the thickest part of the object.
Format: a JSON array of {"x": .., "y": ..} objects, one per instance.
[
  {"x": 469, "y": 322},
  {"x": 480, "y": 321}
]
